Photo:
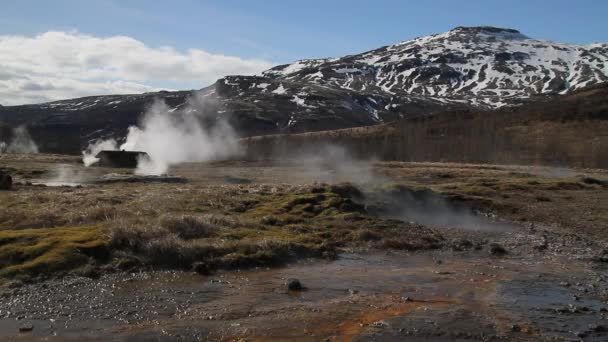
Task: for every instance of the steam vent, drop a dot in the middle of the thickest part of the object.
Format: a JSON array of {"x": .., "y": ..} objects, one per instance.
[{"x": 120, "y": 159}]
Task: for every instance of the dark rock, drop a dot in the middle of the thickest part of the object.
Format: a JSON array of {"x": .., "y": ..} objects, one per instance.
[
  {"x": 597, "y": 328},
  {"x": 6, "y": 181},
  {"x": 496, "y": 249},
  {"x": 593, "y": 181},
  {"x": 120, "y": 159},
  {"x": 26, "y": 327},
  {"x": 294, "y": 285},
  {"x": 201, "y": 268}
]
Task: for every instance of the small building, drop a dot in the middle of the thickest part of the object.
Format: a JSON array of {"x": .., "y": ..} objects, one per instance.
[{"x": 120, "y": 159}]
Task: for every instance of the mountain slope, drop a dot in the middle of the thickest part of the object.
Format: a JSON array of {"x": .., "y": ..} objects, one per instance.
[
  {"x": 463, "y": 69},
  {"x": 484, "y": 66},
  {"x": 569, "y": 130}
]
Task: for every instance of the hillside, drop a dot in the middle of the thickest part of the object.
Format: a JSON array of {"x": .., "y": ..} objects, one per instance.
[
  {"x": 567, "y": 131},
  {"x": 467, "y": 68},
  {"x": 483, "y": 66}
]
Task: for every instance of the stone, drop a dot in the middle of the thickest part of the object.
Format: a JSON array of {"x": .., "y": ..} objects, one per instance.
[
  {"x": 294, "y": 285},
  {"x": 6, "y": 181},
  {"x": 496, "y": 249},
  {"x": 597, "y": 328},
  {"x": 25, "y": 327},
  {"x": 201, "y": 268}
]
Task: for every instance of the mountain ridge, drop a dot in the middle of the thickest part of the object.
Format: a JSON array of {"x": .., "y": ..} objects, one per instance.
[
  {"x": 466, "y": 68},
  {"x": 465, "y": 61}
]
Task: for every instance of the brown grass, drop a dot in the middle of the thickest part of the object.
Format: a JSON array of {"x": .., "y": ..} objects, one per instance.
[{"x": 242, "y": 225}]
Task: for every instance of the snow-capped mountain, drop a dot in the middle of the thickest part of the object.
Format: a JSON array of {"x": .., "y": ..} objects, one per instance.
[
  {"x": 462, "y": 69},
  {"x": 481, "y": 65}
]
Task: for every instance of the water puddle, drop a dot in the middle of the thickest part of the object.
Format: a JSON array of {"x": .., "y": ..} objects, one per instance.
[{"x": 357, "y": 297}]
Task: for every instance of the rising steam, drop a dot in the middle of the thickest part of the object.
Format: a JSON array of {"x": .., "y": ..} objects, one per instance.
[
  {"x": 21, "y": 142},
  {"x": 332, "y": 163},
  {"x": 172, "y": 137},
  {"x": 89, "y": 155}
]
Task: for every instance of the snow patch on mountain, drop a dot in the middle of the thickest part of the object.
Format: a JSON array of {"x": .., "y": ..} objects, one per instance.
[{"x": 484, "y": 66}]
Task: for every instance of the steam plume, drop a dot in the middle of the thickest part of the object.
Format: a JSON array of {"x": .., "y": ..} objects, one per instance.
[
  {"x": 172, "y": 137},
  {"x": 326, "y": 162},
  {"x": 21, "y": 142},
  {"x": 89, "y": 155}
]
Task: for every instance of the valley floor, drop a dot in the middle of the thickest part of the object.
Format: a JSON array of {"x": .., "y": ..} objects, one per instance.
[{"x": 384, "y": 251}]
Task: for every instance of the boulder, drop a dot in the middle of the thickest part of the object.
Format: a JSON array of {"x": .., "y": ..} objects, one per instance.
[
  {"x": 6, "y": 181},
  {"x": 26, "y": 327},
  {"x": 496, "y": 249},
  {"x": 294, "y": 285},
  {"x": 121, "y": 159},
  {"x": 201, "y": 268}
]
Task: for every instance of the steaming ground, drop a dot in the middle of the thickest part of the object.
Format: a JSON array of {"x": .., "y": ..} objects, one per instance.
[
  {"x": 19, "y": 142},
  {"x": 403, "y": 251},
  {"x": 171, "y": 137}
]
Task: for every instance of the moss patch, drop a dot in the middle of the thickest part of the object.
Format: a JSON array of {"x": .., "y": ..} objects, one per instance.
[
  {"x": 288, "y": 208},
  {"x": 34, "y": 252}
]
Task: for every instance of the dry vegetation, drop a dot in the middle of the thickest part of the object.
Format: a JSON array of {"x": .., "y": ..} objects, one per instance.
[
  {"x": 574, "y": 200},
  {"x": 208, "y": 224},
  {"x": 565, "y": 130},
  {"x": 191, "y": 226}
]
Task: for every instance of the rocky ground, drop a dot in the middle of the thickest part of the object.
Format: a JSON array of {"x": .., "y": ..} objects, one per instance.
[{"x": 503, "y": 253}]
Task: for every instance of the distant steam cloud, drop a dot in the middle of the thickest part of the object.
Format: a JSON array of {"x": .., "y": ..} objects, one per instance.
[
  {"x": 21, "y": 142},
  {"x": 326, "y": 162},
  {"x": 170, "y": 140},
  {"x": 172, "y": 137}
]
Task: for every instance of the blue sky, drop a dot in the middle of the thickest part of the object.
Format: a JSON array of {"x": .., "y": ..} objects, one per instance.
[
  {"x": 282, "y": 31},
  {"x": 113, "y": 46}
]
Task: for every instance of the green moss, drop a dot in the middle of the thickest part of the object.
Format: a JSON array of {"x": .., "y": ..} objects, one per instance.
[
  {"x": 294, "y": 208},
  {"x": 35, "y": 252}
]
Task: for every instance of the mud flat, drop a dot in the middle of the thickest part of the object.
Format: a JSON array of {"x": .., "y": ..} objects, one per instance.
[{"x": 386, "y": 296}]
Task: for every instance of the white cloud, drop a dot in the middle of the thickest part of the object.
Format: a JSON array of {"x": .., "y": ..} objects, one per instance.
[{"x": 59, "y": 65}]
